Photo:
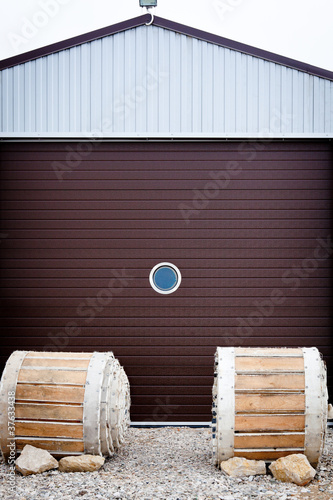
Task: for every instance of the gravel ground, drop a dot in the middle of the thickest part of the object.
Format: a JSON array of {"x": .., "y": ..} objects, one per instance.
[{"x": 167, "y": 463}]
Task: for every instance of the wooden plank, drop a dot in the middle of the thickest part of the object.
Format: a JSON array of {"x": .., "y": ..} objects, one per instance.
[
  {"x": 268, "y": 455},
  {"x": 281, "y": 381},
  {"x": 54, "y": 394},
  {"x": 53, "y": 376},
  {"x": 268, "y": 351},
  {"x": 51, "y": 445},
  {"x": 27, "y": 411},
  {"x": 47, "y": 429},
  {"x": 280, "y": 440},
  {"x": 59, "y": 355},
  {"x": 269, "y": 402},
  {"x": 255, "y": 364},
  {"x": 257, "y": 423},
  {"x": 54, "y": 363}
]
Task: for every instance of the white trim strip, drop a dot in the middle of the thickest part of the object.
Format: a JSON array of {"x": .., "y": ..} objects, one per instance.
[
  {"x": 225, "y": 403},
  {"x": 313, "y": 404},
  {"x": 92, "y": 404},
  {"x": 164, "y": 136},
  {"x": 106, "y": 439},
  {"x": 8, "y": 385}
]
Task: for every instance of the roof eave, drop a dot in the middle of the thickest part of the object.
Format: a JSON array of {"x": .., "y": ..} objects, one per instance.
[
  {"x": 73, "y": 42},
  {"x": 173, "y": 26}
]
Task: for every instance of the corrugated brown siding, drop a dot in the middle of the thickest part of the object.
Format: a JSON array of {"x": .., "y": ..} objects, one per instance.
[{"x": 118, "y": 209}]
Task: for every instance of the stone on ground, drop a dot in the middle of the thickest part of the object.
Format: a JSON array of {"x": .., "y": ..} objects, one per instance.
[
  {"x": 293, "y": 468},
  {"x": 82, "y": 463},
  {"x": 34, "y": 461},
  {"x": 238, "y": 466}
]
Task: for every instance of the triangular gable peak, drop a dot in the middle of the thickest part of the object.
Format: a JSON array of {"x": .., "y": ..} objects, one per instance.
[{"x": 161, "y": 81}]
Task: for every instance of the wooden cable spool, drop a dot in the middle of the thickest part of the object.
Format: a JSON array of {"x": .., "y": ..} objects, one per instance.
[
  {"x": 268, "y": 403},
  {"x": 66, "y": 403}
]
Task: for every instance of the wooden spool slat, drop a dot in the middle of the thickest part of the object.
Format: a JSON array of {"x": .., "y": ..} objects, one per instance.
[
  {"x": 270, "y": 351},
  {"x": 27, "y": 411},
  {"x": 56, "y": 362},
  {"x": 267, "y": 422},
  {"x": 59, "y": 355},
  {"x": 278, "y": 406},
  {"x": 267, "y": 455},
  {"x": 269, "y": 440},
  {"x": 271, "y": 364},
  {"x": 281, "y": 382},
  {"x": 50, "y": 376},
  {"x": 263, "y": 403},
  {"x": 47, "y": 429},
  {"x": 53, "y": 394},
  {"x": 61, "y": 445}
]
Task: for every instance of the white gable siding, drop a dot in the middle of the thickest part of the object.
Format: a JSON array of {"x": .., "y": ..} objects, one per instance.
[{"x": 153, "y": 82}]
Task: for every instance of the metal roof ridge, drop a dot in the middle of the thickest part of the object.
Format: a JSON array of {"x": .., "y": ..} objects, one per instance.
[
  {"x": 242, "y": 47},
  {"x": 74, "y": 41},
  {"x": 172, "y": 26}
]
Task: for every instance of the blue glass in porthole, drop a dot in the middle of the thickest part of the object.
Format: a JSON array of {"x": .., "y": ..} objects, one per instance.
[{"x": 165, "y": 278}]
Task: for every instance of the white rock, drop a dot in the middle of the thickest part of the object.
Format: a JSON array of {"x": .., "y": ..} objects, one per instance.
[
  {"x": 293, "y": 468},
  {"x": 34, "y": 461},
  {"x": 238, "y": 466},
  {"x": 82, "y": 463}
]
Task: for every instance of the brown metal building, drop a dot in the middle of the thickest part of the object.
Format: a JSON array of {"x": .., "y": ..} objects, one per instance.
[{"x": 138, "y": 145}]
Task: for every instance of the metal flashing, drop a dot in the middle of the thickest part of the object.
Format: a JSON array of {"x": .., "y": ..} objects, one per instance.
[{"x": 169, "y": 25}]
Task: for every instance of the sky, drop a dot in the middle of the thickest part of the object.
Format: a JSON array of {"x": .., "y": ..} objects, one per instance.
[{"x": 299, "y": 29}]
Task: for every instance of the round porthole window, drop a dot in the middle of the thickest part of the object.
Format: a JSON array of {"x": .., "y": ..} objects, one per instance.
[{"x": 165, "y": 278}]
